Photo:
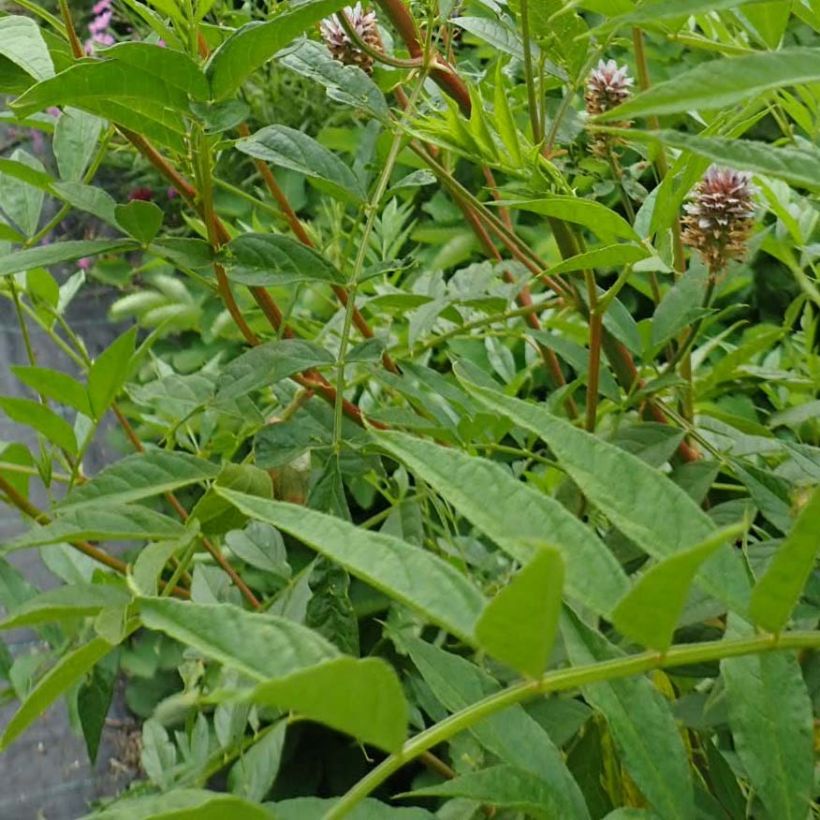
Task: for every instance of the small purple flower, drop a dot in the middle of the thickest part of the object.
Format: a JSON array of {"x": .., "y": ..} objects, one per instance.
[
  {"x": 84, "y": 263},
  {"x": 98, "y": 28}
]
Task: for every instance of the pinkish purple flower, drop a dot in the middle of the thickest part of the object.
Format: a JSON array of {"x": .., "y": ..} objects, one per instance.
[
  {"x": 719, "y": 216},
  {"x": 341, "y": 47},
  {"x": 84, "y": 263}
]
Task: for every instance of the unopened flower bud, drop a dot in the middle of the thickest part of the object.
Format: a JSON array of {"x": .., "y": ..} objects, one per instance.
[
  {"x": 718, "y": 216},
  {"x": 341, "y": 47}
]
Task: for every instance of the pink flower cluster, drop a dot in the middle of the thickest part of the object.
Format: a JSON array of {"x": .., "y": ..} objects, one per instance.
[{"x": 98, "y": 28}]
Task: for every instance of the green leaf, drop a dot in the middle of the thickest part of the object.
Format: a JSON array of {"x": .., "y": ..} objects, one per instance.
[
  {"x": 214, "y": 513},
  {"x": 54, "y": 385},
  {"x": 503, "y": 786},
  {"x": 42, "y": 419},
  {"x": 267, "y": 260},
  {"x": 770, "y": 715},
  {"x": 138, "y": 476},
  {"x": 796, "y": 164},
  {"x": 100, "y": 523},
  {"x": 75, "y": 140},
  {"x": 61, "y": 677},
  {"x": 501, "y": 36},
  {"x": 778, "y": 590},
  {"x": 87, "y": 198},
  {"x": 669, "y": 10},
  {"x": 592, "y": 215},
  {"x": 519, "y": 624},
  {"x": 640, "y": 720},
  {"x": 258, "y": 645},
  {"x": 315, "y": 808},
  {"x": 143, "y": 87},
  {"x": 722, "y": 82},
  {"x": 650, "y": 612},
  {"x": 376, "y": 714},
  {"x": 22, "y": 43},
  {"x": 253, "y": 774},
  {"x": 254, "y": 44},
  {"x": 504, "y": 119},
  {"x": 109, "y": 371},
  {"x": 93, "y": 702},
  {"x": 171, "y": 68},
  {"x": 526, "y": 517},
  {"x": 286, "y": 147},
  {"x": 261, "y": 546},
  {"x": 346, "y": 84},
  {"x": 142, "y": 220},
  {"x": 681, "y": 305},
  {"x": 69, "y": 601},
  {"x": 611, "y": 256},
  {"x": 152, "y": 559},
  {"x": 640, "y": 501},
  {"x": 408, "y": 574},
  {"x": 183, "y": 804},
  {"x": 21, "y": 200},
  {"x": 58, "y": 252},
  {"x": 267, "y": 364},
  {"x": 512, "y": 736}
]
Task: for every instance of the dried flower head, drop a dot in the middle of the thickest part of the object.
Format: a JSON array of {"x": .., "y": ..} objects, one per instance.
[
  {"x": 607, "y": 86},
  {"x": 718, "y": 216},
  {"x": 342, "y": 47}
]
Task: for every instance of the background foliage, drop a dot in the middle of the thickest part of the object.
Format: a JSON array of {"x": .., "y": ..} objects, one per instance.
[{"x": 451, "y": 482}]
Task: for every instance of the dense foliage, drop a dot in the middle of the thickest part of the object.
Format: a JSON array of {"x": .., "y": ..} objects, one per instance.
[{"x": 466, "y": 400}]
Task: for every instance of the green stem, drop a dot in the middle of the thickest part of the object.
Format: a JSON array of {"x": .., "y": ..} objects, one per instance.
[
  {"x": 560, "y": 680},
  {"x": 529, "y": 75}
]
